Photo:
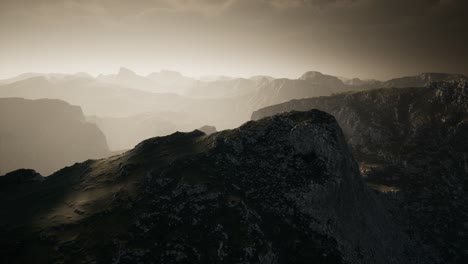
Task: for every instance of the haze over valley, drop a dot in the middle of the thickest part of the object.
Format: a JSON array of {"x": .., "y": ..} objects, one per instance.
[{"x": 129, "y": 108}]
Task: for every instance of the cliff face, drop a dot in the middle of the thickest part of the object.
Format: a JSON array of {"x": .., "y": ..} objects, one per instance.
[
  {"x": 413, "y": 141},
  {"x": 421, "y": 80},
  {"x": 45, "y": 135},
  {"x": 283, "y": 189}
]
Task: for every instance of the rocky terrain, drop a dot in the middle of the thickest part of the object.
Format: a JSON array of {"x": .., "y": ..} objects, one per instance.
[
  {"x": 46, "y": 135},
  {"x": 419, "y": 80},
  {"x": 412, "y": 144},
  {"x": 284, "y": 189}
]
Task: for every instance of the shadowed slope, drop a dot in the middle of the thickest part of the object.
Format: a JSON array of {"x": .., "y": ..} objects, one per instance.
[{"x": 411, "y": 140}]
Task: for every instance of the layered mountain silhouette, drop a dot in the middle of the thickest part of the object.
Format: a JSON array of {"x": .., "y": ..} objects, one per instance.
[
  {"x": 95, "y": 98},
  {"x": 175, "y": 81},
  {"x": 49, "y": 76},
  {"x": 127, "y": 98},
  {"x": 104, "y": 100},
  {"x": 128, "y": 78},
  {"x": 279, "y": 190},
  {"x": 413, "y": 143},
  {"x": 46, "y": 135},
  {"x": 227, "y": 88},
  {"x": 165, "y": 81}
]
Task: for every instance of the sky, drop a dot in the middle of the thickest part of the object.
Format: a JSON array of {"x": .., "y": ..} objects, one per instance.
[{"x": 284, "y": 38}]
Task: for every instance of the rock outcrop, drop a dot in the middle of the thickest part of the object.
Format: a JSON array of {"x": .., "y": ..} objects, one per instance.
[
  {"x": 412, "y": 142},
  {"x": 284, "y": 189},
  {"x": 208, "y": 129}
]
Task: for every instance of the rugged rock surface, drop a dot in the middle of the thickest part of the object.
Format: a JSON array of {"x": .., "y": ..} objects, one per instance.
[
  {"x": 280, "y": 190},
  {"x": 420, "y": 80},
  {"x": 413, "y": 141},
  {"x": 46, "y": 135}
]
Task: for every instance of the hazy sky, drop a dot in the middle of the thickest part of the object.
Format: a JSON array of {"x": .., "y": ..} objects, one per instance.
[{"x": 283, "y": 38}]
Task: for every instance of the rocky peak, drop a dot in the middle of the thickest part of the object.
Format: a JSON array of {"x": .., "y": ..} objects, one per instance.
[
  {"x": 20, "y": 176},
  {"x": 246, "y": 189},
  {"x": 124, "y": 72},
  {"x": 208, "y": 129},
  {"x": 320, "y": 78},
  {"x": 411, "y": 142},
  {"x": 283, "y": 189},
  {"x": 310, "y": 75}
]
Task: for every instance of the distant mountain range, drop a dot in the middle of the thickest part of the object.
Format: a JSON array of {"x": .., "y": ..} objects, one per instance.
[
  {"x": 120, "y": 104},
  {"x": 167, "y": 81},
  {"x": 162, "y": 82},
  {"x": 127, "y": 99},
  {"x": 93, "y": 96}
]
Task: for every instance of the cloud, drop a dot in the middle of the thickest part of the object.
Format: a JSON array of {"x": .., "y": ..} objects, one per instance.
[{"x": 401, "y": 34}]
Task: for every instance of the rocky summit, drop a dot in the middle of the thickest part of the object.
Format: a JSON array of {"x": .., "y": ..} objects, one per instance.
[
  {"x": 284, "y": 189},
  {"x": 412, "y": 145}
]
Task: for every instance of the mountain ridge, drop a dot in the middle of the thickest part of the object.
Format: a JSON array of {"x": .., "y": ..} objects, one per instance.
[{"x": 214, "y": 193}]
